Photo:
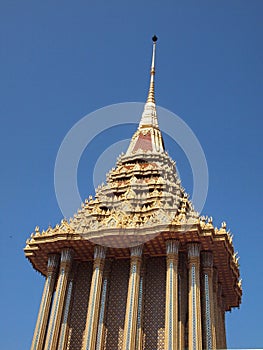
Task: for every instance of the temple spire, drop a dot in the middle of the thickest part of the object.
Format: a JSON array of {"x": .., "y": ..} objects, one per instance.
[
  {"x": 148, "y": 137},
  {"x": 151, "y": 97},
  {"x": 149, "y": 115}
]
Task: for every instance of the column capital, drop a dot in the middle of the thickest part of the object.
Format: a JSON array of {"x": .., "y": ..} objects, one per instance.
[
  {"x": 66, "y": 255},
  {"x": 207, "y": 259},
  {"x": 107, "y": 268},
  {"x": 172, "y": 246},
  {"x": 215, "y": 279},
  {"x": 99, "y": 252},
  {"x": 193, "y": 250},
  {"x": 53, "y": 263},
  {"x": 136, "y": 251}
]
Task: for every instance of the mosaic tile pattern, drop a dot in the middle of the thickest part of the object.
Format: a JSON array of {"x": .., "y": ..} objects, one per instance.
[
  {"x": 79, "y": 305},
  {"x": 154, "y": 307},
  {"x": 115, "y": 313}
]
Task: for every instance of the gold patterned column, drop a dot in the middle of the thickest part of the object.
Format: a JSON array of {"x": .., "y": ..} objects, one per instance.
[
  {"x": 219, "y": 318},
  {"x": 101, "y": 326},
  {"x": 224, "y": 345},
  {"x": 130, "y": 326},
  {"x": 139, "y": 332},
  {"x": 90, "y": 336},
  {"x": 171, "y": 304},
  {"x": 194, "y": 301},
  {"x": 63, "y": 336},
  {"x": 44, "y": 309},
  {"x": 182, "y": 298},
  {"x": 216, "y": 309},
  {"x": 209, "y": 341},
  {"x": 58, "y": 302}
]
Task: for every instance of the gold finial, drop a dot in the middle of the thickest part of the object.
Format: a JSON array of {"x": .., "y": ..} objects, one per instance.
[{"x": 150, "y": 97}]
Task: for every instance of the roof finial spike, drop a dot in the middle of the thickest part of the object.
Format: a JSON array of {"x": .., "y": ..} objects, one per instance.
[
  {"x": 151, "y": 97},
  {"x": 148, "y": 137}
]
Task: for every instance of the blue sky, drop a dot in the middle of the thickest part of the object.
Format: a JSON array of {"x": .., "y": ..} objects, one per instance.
[{"x": 61, "y": 60}]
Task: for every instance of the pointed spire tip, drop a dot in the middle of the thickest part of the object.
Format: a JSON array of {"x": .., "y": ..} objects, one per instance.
[{"x": 150, "y": 98}]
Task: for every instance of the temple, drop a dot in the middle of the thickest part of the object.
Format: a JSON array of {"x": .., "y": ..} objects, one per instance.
[{"x": 136, "y": 268}]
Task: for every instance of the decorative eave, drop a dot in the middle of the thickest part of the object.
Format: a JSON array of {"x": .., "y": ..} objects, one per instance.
[{"x": 211, "y": 239}]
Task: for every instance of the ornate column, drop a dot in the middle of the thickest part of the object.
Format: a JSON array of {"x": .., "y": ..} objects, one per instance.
[
  {"x": 224, "y": 345},
  {"x": 90, "y": 336},
  {"x": 216, "y": 308},
  {"x": 44, "y": 309},
  {"x": 209, "y": 339},
  {"x": 194, "y": 301},
  {"x": 63, "y": 336},
  {"x": 103, "y": 302},
  {"x": 139, "y": 332},
  {"x": 182, "y": 298},
  {"x": 219, "y": 318},
  {"x": 58, "y": 302},
  {"x": 171, "y": 304},
  {"x": 130, "y": 325}
]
